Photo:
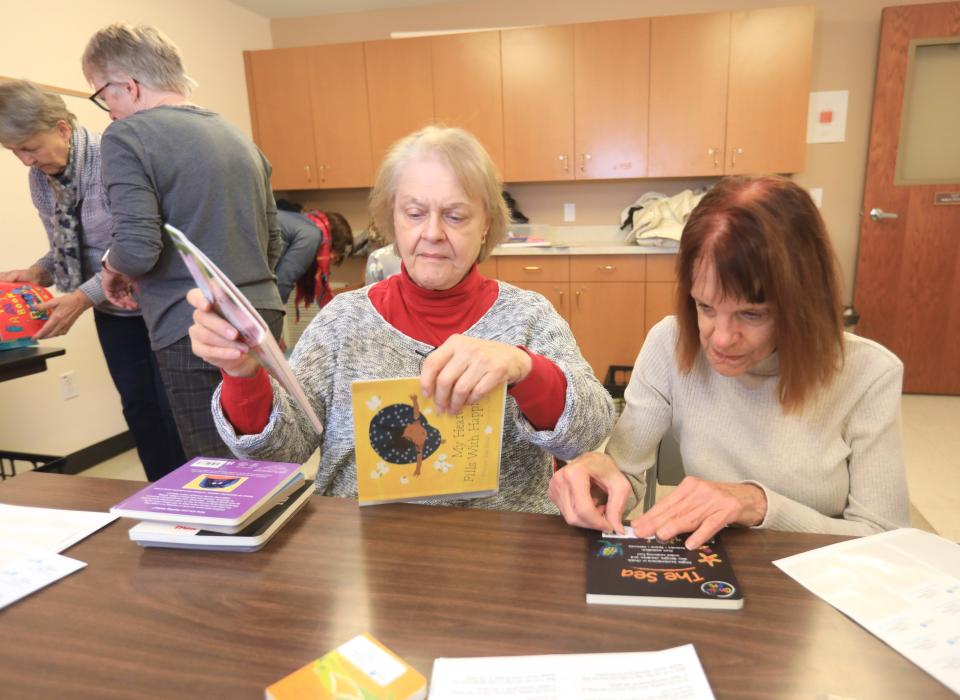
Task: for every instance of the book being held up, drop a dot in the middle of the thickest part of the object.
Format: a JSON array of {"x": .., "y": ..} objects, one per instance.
[
  {"x": 222, "y": 495},
  {"x": 230, "y": 303},
  {"x": 627, "y": 570},
  {"x": 20, "y": 317},
  {"x": 361, "y": 669},
  {"x": 406, "y": 451}
]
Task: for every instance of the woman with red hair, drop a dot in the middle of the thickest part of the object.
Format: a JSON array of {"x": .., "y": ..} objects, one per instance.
[{"x": 784, "y": 421}]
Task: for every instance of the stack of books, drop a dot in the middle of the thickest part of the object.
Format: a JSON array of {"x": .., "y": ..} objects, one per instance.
[{"x": 219, "y": 504}]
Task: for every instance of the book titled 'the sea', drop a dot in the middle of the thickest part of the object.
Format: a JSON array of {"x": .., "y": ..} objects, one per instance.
[{"x": 646, "y": 571}]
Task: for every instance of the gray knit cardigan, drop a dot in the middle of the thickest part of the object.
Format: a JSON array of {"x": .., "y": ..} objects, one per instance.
[{"x": 350, "y": 340}]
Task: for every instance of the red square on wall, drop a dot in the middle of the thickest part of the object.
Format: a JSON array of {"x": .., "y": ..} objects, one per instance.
[{"x": 826, "y": 116}]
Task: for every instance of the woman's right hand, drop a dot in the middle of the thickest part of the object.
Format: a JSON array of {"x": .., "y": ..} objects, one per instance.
[
  {"x": 214, "y": 340},
  {"x": 33, "y": 275},
  {"x": 591, "y": 492}
]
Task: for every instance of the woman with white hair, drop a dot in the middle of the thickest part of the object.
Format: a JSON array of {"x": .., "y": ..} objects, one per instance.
[
  {"x": 65, "y": 184},
  {"x": 168, "y": 161},
  {"x": 438, "y": 196}
]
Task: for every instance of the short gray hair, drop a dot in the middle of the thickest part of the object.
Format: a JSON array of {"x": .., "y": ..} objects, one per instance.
[
  {"x": 142, "y": 52},
  {"x": 26, "y": 110},
  {"x": 472, "y": 166}
]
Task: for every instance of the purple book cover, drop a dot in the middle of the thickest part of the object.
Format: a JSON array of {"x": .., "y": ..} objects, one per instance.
[{"x": 209, "y": 490}]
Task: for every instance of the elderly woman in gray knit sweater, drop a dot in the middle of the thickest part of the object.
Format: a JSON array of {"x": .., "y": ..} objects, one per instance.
[
  {"x": 438, "y": 197},
  {"x": 784, "y": 421}
]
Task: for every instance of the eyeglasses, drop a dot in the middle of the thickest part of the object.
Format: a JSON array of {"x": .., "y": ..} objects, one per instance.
[{"x": 99, "y": 101}]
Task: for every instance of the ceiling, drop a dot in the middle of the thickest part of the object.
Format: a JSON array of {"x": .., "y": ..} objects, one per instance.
[{"x": 309, "y": 8}]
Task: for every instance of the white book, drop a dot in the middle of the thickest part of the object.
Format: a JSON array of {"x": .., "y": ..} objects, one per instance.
[{"x": 250, "y": 539}]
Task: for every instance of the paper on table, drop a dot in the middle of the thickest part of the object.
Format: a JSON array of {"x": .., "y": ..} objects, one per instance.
[
  {"x": 24, "y": 570},
  {"x": 649, "y": 675},
  {"x": 50, "y": 529},
  {"x": 231, "y": 304},
  {"x": 903, "y": 586}
]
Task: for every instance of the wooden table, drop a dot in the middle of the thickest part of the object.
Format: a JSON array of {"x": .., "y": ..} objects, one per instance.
[
  {"x": 427, "y": 581},
  {"x": 19, "y": 362}
]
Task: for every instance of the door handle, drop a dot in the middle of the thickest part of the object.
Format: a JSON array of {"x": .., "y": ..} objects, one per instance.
[
  {"x": 878, "y": 214},
  {"x": 531, "y": 268}
]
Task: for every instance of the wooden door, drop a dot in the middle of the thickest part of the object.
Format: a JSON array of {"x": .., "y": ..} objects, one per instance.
[
  {"x": 282, "y": 116},
  {"x": 611, "y": 93},
  {"x": 660, "y": 298},
  {"x": 908, "y": 268},
  {"x": 689, "y": 58},
  {"x": 341, "y": 115},
  {"x": 771, "y": 55},
  {"x": 607, "y": 319},
  {"x": 538, "y": 103},
  {"x": 467, "y": 91},
  {"x": 399, "y": 89}
]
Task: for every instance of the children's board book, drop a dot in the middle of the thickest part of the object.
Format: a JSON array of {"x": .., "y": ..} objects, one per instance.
[
  {"x": 230, "y": 303},
  {"x": 20, "y": 316},
  {"x": 406, "y": 451},
  {"x": 361, "y": 669},
  {"x": 250, "y": 539},
  {"x": 223, "y": 495},
  {"x": 627, "y": 570}
]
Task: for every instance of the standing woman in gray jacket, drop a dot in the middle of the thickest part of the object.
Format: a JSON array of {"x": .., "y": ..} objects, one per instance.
[{"x": 66, "y": 187}]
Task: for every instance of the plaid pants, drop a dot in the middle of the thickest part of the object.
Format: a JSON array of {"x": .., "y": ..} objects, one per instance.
[{"x": 190, "y": 383}]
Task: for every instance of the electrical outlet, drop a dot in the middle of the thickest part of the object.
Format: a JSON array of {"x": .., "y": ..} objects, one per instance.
[
  {"x": 569, "y": 212},
  {"x": 68, "y": 385}
]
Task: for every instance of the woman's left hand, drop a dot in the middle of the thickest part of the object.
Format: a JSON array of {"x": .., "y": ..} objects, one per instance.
[
  {"x": 64, "y": 311},
  {"x": 463, "y": 370},
  {"x": 703, "y": 508}
]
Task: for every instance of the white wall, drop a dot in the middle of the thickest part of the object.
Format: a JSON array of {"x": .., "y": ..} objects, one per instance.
[{"x": 44, "y": 42}]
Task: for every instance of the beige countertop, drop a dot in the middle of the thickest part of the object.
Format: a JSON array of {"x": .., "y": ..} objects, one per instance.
[{"x": 580, "y": 240}]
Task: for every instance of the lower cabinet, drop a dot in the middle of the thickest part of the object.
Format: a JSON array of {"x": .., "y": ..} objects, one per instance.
[{"x": 609, "y": 301}]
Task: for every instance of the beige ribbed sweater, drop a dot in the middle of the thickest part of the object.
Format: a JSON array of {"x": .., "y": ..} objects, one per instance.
[{"x": 837, "y": 467}]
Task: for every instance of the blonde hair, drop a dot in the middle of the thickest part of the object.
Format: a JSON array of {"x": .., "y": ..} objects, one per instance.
[
  {"x": 143, "y": 53},
  {"x": 471, "y": 165},
  {"x": 26, "y": 110}
]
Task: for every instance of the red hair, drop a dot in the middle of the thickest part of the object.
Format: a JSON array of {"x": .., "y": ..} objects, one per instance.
[{"x": 768, "y": 244}]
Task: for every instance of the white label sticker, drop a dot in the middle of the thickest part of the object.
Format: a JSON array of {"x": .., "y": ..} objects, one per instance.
[{"x": 382, "y": 668}]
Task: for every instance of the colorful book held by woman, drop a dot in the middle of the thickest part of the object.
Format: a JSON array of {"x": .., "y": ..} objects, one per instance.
[
  {"x": 20, "y": 315},
  {"x": 223, "y": 495},
  {"x": 627, "y": 570},
  {"x": 407, "y": 451}
]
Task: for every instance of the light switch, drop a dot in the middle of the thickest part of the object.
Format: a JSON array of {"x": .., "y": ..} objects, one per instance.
[
  {"x": 569, "y": 212},
  {"x": 816, "y": 194}
]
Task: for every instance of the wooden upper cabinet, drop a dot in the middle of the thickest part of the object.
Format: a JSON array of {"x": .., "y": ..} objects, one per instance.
[
  {"x": 282, "y": 116},
  {"x": 538, "y": 103},
  {"x": 467, "y": 91},
  {"x": 611, "y": 85},
  {"x": 341, "y": 116},
  {"x": 400, "y": 90},
  {"x": 689, "y": 56},
  {"x": 771, "y": 54}
]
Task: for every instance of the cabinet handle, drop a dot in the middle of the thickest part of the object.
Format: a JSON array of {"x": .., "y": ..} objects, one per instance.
[
  {"x": 733, "y": 156},
  {"x": 584, "y": 157},
  {"x": 566, "y": 162},
  {"x": 531, "y": 268},
  {"x": 560, "y": 292},
  {"x": 307, "y": 169},
  {"x": 579, "y": 292},
  {"x": 715, "y": 152},
  {"x": 323, "y": 172},
  {"x": 607, "y": 268}
]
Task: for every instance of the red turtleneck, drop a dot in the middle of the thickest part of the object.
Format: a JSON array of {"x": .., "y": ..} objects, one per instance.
[{"x": 430, "y": 317}]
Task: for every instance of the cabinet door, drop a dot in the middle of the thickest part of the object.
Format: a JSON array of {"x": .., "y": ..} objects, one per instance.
[
  {"x": 611, "y": 86},
  {"x": 467, "y": 91},
  {"x": 689, "y": 57},
  {"x": 557, "y": 293},
  {"x": 771, "y": 54},
  {"x": 607, "y": 319},
  {"x": 400, "y": 90},
  {"x": 341, "y": 115},
  {"x": 282, "y": 116},
  {"x": 538, "y": 103}
]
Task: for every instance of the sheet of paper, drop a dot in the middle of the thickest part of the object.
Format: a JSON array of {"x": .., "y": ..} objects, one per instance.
[
  {"x": 24, "y": 570},
  {"x": 49, "y": 529},
  {"x": 903, "y": 586},
  {"x": 648, "y": 675}
]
